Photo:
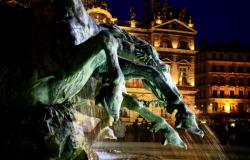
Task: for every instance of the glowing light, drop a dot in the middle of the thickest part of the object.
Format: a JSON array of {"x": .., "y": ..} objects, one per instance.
[
  {"x": 175, "y": 43},
  {"x": 133, "y": 24},
  {"x": 232, "y": 124},
  {"x": 156, "y": 43},
  {"x": 192, "y": 83},
  {"x": 191, "y": 25},
  {"x": 203, "y": 121},
  {"x": 191, "y": 45},
  {"x": 227, "y": 108},
  {"x": 158, "y": 21}
]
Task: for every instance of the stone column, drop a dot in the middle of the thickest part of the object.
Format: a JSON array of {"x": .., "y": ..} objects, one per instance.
[
  {"x": 174, "y": 69},
  {"x": 191, "y": 78}
]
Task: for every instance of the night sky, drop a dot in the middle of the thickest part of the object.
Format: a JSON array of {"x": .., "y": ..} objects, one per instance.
[{"x": 217, "y": 20}]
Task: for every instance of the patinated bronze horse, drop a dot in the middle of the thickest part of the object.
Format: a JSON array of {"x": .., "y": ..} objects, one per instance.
[{"x": 65, "y": 47}]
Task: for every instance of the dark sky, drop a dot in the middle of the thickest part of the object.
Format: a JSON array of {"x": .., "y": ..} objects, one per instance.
[{"x": 218, "y": 20}]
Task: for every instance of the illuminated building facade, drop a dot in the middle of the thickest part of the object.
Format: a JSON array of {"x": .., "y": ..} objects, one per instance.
[
  {"x": 223, "y": 80},
  {"x": 171, "y": 32}
]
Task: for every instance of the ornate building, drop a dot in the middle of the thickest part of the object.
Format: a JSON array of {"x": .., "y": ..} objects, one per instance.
[
  {"x": 223, "y": 80},
  {"x": 171, "y": 32}
]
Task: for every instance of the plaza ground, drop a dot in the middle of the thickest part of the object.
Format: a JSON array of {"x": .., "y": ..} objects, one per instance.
[{"x": 156, "y": 151}]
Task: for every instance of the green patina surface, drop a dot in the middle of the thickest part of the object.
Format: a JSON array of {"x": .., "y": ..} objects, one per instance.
[{"x": 48, "y": 61}]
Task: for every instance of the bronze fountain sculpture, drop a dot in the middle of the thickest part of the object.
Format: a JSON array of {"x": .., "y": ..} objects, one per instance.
[{"x": 58, "y": 49}]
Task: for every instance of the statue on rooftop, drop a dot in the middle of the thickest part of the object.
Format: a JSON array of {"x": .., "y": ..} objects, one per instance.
[{"x": 52, "y": 48}]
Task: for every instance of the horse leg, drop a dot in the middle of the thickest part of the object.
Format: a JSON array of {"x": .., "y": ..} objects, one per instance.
[
  {"x": 110, "y": 95},
  {"x": 112, "y": 90},
  {"x": 170, "y": 135},
  {"x": 86, "y": 57},
  {"x": 165, "y": 89}
]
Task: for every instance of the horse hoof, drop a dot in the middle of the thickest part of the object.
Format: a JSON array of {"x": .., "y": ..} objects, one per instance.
[
  {"x": 188, "y": 122},
  {"x": 173, "y": 138}
]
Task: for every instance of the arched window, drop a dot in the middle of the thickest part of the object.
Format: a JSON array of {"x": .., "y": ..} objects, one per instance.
[{"x": 222, "y": 80}]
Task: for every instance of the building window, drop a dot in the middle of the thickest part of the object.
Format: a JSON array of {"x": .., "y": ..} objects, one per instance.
[
  {"x": 214, "y": 68},
  {"x": 239, "y": 57},
  {"x": 241, "y": 81},
  {"x": 215, "y": 107},
  {"x": 214, "y": 56},
  {"x": 214, "y": 94},
  {"x": 240, "y": 69},
  {"x": 198, "y": 94},
  {"x": 231, "y": 68},
  {"x": 196, "y": 81},
  {"x": 204, "y": 80},
  {"x": 241, "y": 94},
  {"x": 222, "y": 80},
  {"x": 183, "y": 76},
  {"x": 166, "y": 43},
  {"x": 222, "y": 94},
  {"x": 204, "y": 106},
  {"x": 203, "y": 57},
  {"x": 183, "y": 45},
  {"x": 221, "y": 57},
  {"x": 214, "y": 80},
  {"x": 231, "y": 94},
  {"x": 232, "y": 107},
  {"x": 230, "y": 57},
  {"x": 134, "y": 83},
  {"x": 204, "y": 94},
  {"x": 204, "y": 69},
  {"x": 221, "y": 68},
  {"x": 241, "y": 107},
  {"x": 232, "y": 80},
  {"x": 248, "y": 107}
]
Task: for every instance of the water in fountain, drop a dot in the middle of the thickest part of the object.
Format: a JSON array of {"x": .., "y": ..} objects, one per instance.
[
  {"x": 90, "y": 115},
  {"x": 205, "y": 148}
]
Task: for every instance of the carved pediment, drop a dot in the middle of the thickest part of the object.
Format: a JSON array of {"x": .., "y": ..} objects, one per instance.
[
  {"x": 167, "y": 60},
  {"x": 175, "y": 24},
  {"x": 183, "y": 61}
]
